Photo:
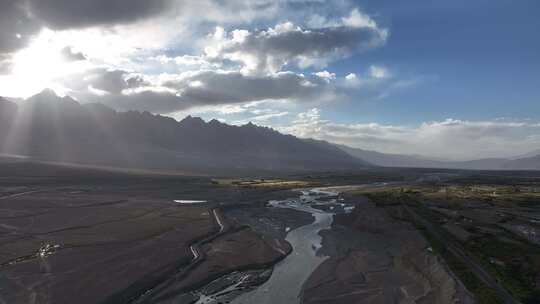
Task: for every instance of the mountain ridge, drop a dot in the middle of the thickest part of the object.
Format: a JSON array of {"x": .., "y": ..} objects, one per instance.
[{"x": 53, "y": 128}]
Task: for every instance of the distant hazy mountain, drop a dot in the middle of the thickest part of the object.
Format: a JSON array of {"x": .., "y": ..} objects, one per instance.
[
  {"x": 391, "y": 160},
  {"x": 413, "y": 161},
  {"x": 48, "y": 127},
  {"x": 527, "y": 155},
  {"x": 527, "y": 163}
]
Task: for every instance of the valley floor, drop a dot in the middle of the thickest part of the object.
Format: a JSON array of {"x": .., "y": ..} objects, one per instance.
[{"x": 78, "y": 235}]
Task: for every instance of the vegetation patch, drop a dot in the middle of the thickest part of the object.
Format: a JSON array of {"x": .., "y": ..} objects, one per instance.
[
  {"x": 265, "y": 183},
  {"x": 480, "y": 211}
]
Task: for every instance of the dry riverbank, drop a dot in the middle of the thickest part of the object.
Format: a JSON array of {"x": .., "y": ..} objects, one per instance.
[{"x": 376, "y": 259}]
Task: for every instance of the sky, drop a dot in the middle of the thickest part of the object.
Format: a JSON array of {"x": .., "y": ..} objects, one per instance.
[{"x": 445, "y": 79}]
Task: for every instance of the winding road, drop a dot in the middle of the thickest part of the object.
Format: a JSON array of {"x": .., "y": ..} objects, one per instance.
[
  {"x": 195, "y": 250},
  {"x": 161, "y": 292}
]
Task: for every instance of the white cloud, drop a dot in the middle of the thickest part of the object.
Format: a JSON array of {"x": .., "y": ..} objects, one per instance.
[
  {"x": 326, "y": 75},
  {"x": 351, "y": 77},
  {"x": 269, "y": 116},
  {"x": 352, "y": 81},
  {"x": 475, "y": 139},
  {"x": 378, "y": 72},
  {"x": 268, "y": 51},
  {"x": 359, "y": 19},
  {"x": 375, "y": 77},
  {"x": 228, "y": 109},
  {"x": 97, "y": 92}
]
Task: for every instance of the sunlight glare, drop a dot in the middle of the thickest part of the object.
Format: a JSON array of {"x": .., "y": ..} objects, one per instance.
[{"x": 40, "y": 66}]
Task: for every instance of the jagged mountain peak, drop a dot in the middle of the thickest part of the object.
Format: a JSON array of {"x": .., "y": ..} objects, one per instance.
[
  {"x": 50, "y": 98},
  {"x": 143, "y": 140},
  {"x": 47, "y": 93},
  {"x": 191, "y": 120}
]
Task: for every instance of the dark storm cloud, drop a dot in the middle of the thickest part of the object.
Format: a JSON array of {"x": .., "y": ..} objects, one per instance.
[
  {"x": 16, "y": 26},
  {"x": 20, "y": 19},
  {"x": 63, "y": 14}
]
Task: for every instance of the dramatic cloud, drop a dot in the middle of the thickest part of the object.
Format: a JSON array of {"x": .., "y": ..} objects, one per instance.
[
  {"x": 21, "y": 19},
  {"x": 475, "y": 139},
  {"x": 240, "y": 60},
  {"x": 124, "y": 53},
  {"x": 270, "y": 50},
  {"x": 107, "y": 63}
]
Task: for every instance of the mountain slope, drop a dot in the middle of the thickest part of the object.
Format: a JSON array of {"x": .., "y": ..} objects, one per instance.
[
  {"x": 8, "y": 111},
  {"x": 48, "y": 127}
]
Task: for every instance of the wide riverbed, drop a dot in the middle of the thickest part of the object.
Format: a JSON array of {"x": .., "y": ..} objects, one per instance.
[
  {"x": 285, "y": 284},
  {"x": 287, "y": 279}
]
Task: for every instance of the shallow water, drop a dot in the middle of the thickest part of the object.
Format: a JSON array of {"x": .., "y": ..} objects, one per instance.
[
  {"x": 189, "y": 202},
  {"x": 285, "y": 284}
]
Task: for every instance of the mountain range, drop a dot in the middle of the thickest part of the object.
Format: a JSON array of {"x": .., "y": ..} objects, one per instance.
[{"x": 52, "y": 128}]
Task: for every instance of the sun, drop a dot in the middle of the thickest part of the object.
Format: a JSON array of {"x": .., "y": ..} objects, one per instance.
[
  {"x": 41, "y": 60},
  {"x": 41, "y": 65}
]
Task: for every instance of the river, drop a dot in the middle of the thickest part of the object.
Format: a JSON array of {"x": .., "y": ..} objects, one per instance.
[{"x": 285, "y": 283}]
